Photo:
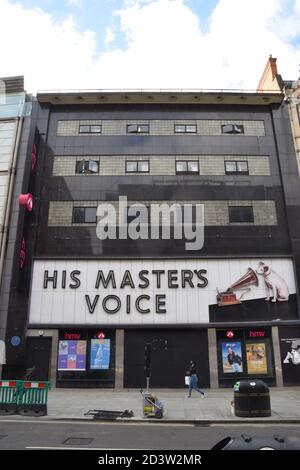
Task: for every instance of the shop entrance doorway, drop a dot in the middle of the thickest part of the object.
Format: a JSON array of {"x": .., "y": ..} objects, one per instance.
[
  {"x": 172, "y": 351},
  {"x": 38, "y": 354}
]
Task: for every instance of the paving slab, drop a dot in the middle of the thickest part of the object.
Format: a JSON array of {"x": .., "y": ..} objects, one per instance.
[{"x": 215, "y": 407}]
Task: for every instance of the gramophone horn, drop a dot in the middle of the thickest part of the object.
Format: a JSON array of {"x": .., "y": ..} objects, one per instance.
[{"x": 250, "y": 278}]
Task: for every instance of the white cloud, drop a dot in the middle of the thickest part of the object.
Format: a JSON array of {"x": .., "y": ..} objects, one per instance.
[
  {"x": 49, "y": 54},
  {"x": 165, "y": 46}
]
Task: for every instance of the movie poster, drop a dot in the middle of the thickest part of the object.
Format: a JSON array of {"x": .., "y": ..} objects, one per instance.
[
  {"x": 232, "y": 357},
  {"x": 256, "y": 358},
  {"x": 71, "y": 355},
  {"x": 100, "y": 354}
]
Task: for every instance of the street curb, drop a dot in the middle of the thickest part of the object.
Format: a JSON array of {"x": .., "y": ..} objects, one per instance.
[{"x": 194, "y": 422}]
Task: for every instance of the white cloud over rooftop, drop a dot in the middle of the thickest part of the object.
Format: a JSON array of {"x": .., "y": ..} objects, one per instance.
[{"x": 165, "y": 46}]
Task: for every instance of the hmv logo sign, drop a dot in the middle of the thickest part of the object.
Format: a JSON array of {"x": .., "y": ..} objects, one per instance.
[
  {"x": 257, "y": 333},
  {"x": 72, "y": 336}
]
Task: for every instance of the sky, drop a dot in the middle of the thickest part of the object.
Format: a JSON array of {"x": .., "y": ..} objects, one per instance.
[{"x": 147, "y": 44}]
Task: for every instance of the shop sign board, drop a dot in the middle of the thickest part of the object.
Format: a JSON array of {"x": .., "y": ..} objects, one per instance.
[{"x": 147, "y": 292}]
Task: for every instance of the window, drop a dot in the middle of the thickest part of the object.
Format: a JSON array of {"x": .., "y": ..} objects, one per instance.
[
  {"x": 138, "y": 129},
  {"x": 137, "y": 166},
  {"x": 241, "y": 214},
  {"x": 89, "y": 167},
  {"x": 89, "y": 129},
  {"x": 236, "y": 168},
  {"x": 185, "y": 129},
  {"x": 84, "y": 215},
  {"x": 188, "y": 167},
  {"x": 232, "y": 129}
]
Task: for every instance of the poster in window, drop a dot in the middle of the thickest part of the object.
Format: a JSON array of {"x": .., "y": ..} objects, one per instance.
[
  {"x": 256, "y": 358},
  {"x": 290, "y": 348},
  {"x": 72, "y": 355},
  {"x": 100, "y": 354},
  {"x": 232, "y": 357}
]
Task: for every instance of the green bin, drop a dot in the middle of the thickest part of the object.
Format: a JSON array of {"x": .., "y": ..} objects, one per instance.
[
  {"x": 8, "y": 397},
  {"x": 32, "y": 398}
]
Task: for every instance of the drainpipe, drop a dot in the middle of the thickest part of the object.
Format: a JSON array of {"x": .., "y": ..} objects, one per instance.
[{"x": 9, "y": 195}]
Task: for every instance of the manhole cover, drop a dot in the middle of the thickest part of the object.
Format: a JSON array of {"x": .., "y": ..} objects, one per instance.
[{"x": 78, "y": 441}]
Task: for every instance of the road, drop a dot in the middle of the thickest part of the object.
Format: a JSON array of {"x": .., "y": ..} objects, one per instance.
[{"x": 37, "y": 434}]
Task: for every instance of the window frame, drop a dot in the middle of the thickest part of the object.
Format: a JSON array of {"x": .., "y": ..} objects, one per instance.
[
  {"x": 236, "y": 171},
  {"x": 90, "y": 126},
  {"x": 75, "y": 208},
  {"x": 185, "y": 131},
  {"x": 137, "y": 127},
  {"x": 187, "y": 171},
  {"x": 85, "y": 163},
  {"x": 240, "y": 208},
  {"x": 233, "y": 126},
  {"x": 137, "y": 167}
]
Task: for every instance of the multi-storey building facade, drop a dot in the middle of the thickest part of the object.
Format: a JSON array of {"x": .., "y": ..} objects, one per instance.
[
  {"x": 15, "y": 109},
  {"x": 96, "y": 301}
]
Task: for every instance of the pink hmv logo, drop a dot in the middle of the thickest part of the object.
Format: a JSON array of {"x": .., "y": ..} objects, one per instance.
[{"x": 257, "y": 334}]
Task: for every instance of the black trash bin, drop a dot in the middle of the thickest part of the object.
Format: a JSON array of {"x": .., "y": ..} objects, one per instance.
[
  {"x": 251, "y": 398},
  {"x": 244, "y": 442}
]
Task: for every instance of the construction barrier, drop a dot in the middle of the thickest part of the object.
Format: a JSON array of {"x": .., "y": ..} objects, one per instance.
[
  {"x": 8, "y": 397},
  {"x": 32, "y": 398}
]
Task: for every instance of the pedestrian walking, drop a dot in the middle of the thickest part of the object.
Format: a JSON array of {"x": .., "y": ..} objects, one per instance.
[{"x": 193, "y": 382}]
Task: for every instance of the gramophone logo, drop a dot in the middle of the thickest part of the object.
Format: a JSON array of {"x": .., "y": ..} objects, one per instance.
[{"x": 275, "y": 285}]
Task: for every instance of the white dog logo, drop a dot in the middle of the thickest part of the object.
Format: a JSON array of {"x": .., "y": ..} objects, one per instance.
[{"x": 276, "y": 286}]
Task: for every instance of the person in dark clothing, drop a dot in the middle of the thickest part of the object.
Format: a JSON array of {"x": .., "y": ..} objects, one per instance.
[
  {"x": 234, "y": 360},
  {"x": 192, "y": 372}
]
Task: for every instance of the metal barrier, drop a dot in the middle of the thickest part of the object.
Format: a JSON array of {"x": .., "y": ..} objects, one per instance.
[
  {"x": 8, "y": 397},
  {"x": 32, "y": 398}
]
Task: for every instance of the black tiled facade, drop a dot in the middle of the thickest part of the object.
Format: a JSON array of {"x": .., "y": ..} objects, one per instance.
[
  {"x": 224, "y": 241},
  {"x": 221, "y": 241}
]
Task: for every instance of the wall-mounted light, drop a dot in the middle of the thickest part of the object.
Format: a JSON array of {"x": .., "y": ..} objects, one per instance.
[{"x": 27, "y": 201}]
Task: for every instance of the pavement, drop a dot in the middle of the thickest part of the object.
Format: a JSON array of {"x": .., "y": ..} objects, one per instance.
[{"x": 216, "y": 407}]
